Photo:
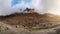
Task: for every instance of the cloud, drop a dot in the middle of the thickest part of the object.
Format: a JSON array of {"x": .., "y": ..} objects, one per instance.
[{"x": 43, "y": 6}]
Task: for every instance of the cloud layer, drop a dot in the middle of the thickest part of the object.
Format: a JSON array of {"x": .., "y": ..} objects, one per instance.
[{"x": 43, "y": 6}]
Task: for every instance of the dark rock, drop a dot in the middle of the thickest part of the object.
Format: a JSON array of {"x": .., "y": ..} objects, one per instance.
[{"x": 58, "y": 30}]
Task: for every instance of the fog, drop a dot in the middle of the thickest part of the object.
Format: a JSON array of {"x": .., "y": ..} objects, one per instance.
[{"x": 42, "y": 6}]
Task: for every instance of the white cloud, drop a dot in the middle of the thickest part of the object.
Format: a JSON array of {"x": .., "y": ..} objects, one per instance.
[{"x": 43, "y": 6}]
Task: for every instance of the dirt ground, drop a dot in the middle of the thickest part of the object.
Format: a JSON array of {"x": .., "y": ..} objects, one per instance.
[{"x": 31, "y": 20}]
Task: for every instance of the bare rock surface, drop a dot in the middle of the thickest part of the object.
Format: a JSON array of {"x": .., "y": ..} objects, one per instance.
[{"x": 31, "y": 23}]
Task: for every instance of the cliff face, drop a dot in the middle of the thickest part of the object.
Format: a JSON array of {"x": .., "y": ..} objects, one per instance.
[
  {"x": 32, "y": 20},
  {"x": 30, "y": 23}
]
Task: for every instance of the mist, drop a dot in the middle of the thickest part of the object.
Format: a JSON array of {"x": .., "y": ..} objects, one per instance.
[{"x": 41, "y": 6}]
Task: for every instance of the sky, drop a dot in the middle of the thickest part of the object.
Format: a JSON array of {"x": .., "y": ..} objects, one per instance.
[
  {"x": 8, "y": 7},
  {"x": 14, "y": 2}
]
